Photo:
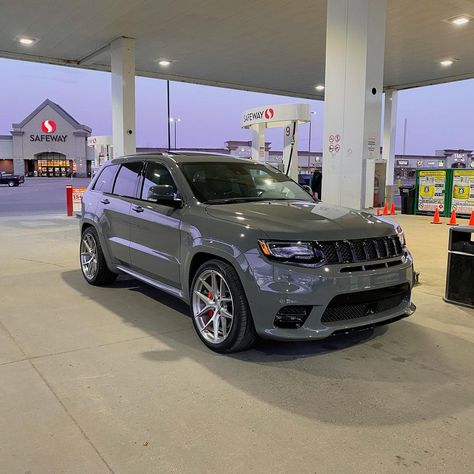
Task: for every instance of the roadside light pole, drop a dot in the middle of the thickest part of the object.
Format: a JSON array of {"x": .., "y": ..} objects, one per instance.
[{"x": 175, "y": 121}]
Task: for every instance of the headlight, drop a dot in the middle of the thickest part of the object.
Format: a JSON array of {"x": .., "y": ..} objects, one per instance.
[
  {"x": 401, "y": 236},
  {"x": 302, "y": 253}
]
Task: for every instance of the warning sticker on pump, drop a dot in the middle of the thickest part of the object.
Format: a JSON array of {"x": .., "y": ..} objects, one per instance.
[
  {"x": 463, "y": 191},
  {"x": 432, "y": 186}
]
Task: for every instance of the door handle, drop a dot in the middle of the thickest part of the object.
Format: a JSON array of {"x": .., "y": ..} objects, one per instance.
[
  {"x": 105, "y": 201},
  {"x": 137, "y": 208}
]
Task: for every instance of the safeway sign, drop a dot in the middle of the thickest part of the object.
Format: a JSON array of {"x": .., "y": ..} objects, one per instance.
[{"x": 276, "y": 115}]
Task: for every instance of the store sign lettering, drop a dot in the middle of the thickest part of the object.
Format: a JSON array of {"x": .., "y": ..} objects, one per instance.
[
  {"x": 267, "y": 113},
  {"x": 48, "y": 138}
]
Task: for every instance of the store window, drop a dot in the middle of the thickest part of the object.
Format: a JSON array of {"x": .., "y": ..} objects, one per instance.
[
  {"x": 53, "y": 165},
  {"x": 127, "y": 179}
]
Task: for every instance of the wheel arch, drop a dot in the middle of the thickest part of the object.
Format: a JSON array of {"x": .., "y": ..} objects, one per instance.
[
  {"x": 201, "y": 257},
  {"x": 86, "y": 224}
]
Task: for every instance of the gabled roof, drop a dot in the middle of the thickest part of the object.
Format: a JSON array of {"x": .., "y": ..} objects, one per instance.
[{"x": 59, "y": 110}]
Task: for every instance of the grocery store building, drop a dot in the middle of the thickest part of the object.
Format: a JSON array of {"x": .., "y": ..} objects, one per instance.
[{"x": 48, "y": 142}]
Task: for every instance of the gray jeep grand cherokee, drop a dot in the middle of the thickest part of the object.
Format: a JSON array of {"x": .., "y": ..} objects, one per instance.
[{"x": 248, "y": 249}]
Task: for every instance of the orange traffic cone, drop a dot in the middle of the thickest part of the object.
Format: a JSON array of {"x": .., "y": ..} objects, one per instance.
[
  {"x": 385, "y": 209},
  {"x": 452, "y": 220},
  {"x": 436, "y": 219},
  {"x": 378, "y": 211},
  {"x": 471, "y": 220},
  {"x": 392, "y": 209}
]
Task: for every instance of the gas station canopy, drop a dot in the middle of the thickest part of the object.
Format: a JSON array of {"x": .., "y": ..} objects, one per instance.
[{"x": 276, "y": 46}]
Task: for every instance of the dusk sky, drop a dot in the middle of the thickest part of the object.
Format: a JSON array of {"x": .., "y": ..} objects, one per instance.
[{"x": 438, "y": 116}]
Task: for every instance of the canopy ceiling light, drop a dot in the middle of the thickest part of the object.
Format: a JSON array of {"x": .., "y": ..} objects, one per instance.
[
  {"x": 447, "y": 62},
  {"x": 460, "y": 20},
  {"x": 26, "y": 40}
]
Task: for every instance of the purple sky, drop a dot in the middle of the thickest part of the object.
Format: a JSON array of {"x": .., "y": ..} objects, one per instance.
[{"x": 438, "y": 116}]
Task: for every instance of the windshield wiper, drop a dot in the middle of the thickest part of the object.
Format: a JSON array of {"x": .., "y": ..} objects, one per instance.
[
  {"x": 233, "y": 200},
  {"x": 247, "y": 199}
]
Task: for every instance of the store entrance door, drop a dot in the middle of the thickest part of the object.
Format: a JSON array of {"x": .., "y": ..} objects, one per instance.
[
  {"x": 57, "y": 171},
  {"x": 53, "y": 165}
]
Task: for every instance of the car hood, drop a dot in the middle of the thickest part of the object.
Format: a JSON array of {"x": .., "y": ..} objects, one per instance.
[{"x": 303, "y": 220}]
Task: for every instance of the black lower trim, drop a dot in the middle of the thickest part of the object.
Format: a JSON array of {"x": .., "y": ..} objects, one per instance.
[{"x": 365, "y": 327}]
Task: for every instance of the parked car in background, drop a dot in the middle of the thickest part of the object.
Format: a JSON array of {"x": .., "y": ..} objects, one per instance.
[
  {"x": 248, "y": 249},
  {"x": 11, "y": 179}
]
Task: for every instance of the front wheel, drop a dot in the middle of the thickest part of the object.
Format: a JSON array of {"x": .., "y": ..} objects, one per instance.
[
  {"x": 93, "y": 265},
  {"x": 221, "y": 314},
  {"x": 11, "y": 184}
]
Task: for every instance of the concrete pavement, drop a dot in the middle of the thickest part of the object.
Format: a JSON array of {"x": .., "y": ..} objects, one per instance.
[{"x": 115, "y": 380}]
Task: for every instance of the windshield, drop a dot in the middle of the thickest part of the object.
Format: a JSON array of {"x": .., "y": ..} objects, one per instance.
[{"x": 220, "y": 182}]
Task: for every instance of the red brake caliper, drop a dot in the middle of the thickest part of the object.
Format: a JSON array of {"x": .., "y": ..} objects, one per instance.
[{"x": 210, "y": 312}]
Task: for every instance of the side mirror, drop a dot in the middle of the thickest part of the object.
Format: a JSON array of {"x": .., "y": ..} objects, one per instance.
[{"x": 164, "y": 194}]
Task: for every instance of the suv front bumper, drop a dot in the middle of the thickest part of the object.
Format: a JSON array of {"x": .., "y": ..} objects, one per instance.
[{"x": 270, "y": 286}]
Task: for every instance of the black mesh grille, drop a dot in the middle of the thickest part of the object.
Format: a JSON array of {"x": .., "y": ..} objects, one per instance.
[
  {"x": 398, "y": 245},
  {"x": 370, "y": 251},
  {"x": 381, "y": 249},
  {"x": 365, "y": 303},
  {"x": 363, "y": 250},
  {"x": 330, "y": 253},
  {"x": 358, "y": 250},
  {"x": 390, "y": 246},
  {"x": 345, "y": 252}
]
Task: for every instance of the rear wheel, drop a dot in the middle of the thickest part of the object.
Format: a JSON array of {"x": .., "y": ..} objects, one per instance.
[
  {"x": 93, "y": 265},
  {"x": 221, "y": 314},
  {"x": 11, "y": 184}
]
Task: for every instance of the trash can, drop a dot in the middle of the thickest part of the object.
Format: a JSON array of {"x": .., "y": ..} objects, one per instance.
[
  {"x": 407, "y": 193},
  {"x": 460, "y": 272}
]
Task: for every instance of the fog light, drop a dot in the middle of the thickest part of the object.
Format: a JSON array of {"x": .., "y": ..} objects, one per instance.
[{"x": 291, "y": 317}]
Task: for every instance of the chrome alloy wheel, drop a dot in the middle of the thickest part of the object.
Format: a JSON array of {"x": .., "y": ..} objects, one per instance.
[
  {"x": 89, "y": 256},
  {"x": 213, "y": 307}
]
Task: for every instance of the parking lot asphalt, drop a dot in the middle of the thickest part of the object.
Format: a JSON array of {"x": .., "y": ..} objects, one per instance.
[
  {"x": 37, "y": 196},
  {"x": 114, "y": 379}
]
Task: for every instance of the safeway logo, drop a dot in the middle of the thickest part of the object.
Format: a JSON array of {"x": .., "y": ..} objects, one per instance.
[
  {"x": 48, "y": 126},
  {"x": 269, "y": 113}
]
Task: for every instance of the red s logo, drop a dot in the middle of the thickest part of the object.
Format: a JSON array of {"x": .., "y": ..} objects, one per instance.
[
  {"x": 48, "y": 126},
  {"x": 269, "y": 113}
]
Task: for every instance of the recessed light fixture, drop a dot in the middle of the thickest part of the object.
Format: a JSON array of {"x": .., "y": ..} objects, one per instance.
[
  {"x": 447, "y": 62},
  {"x": 164, "y": 62},
  {"x": 27, "y": 40},
  {"x": 319, "y": 87},
  {"x": 460, "y": 20}
]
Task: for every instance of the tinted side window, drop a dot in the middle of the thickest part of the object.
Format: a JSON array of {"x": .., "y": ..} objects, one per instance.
[
  {"x": 127, "y": 179},
  {"x": 105, "y": 181},
  {"x": 156, "y": 174}
]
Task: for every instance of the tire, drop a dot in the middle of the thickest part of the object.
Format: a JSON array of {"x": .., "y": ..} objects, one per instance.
[
  {"x": 11, "y": 184},
  {"x": 228, "y": 300},
  {"x": 96, "y": 272}
]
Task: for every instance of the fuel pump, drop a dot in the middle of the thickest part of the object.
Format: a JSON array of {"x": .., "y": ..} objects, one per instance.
[{"x": 286, "y": 116}]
